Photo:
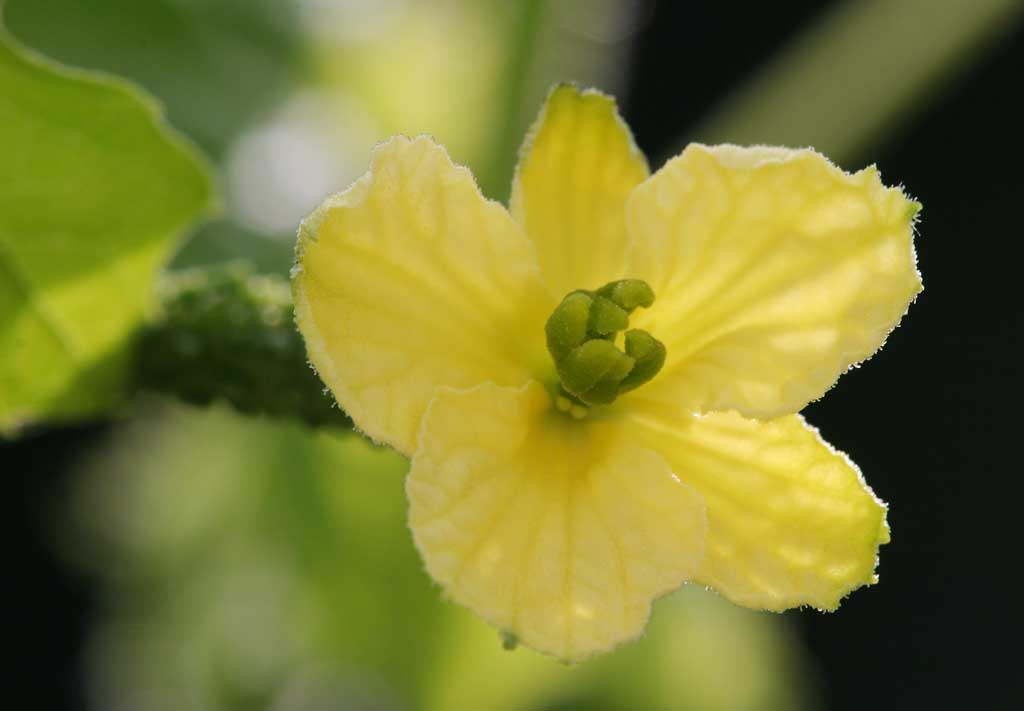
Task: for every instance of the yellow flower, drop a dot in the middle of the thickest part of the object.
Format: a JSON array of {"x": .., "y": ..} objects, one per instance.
[{"x": 549, "y": 492}]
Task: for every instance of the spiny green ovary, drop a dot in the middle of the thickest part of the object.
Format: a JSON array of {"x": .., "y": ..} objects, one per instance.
[
  {"x": 226, "y": 334},
  {"x": 581, "y": 340}
]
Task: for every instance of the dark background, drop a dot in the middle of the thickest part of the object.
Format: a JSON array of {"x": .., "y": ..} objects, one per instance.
[{"x": 929, "y": 419}]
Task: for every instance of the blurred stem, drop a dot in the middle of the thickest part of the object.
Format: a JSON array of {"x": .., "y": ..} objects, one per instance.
[
  {"x": 225, "y": 334},
  {"x": 495, "y": 177},
  {"x": 861, "y": 69}
]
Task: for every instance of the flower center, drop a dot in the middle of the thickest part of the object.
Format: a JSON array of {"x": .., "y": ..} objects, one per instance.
[{"x": 581, "y": 334}]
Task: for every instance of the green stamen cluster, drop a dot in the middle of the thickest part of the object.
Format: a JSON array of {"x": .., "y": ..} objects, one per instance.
[{"x": 581, "y": 335}]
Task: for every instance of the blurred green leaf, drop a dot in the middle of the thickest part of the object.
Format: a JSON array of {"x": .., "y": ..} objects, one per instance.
[
  {"x": 215, "y": 64},
  {"x": 218, "y": 67},
  {"x": 94, "y": 188}
]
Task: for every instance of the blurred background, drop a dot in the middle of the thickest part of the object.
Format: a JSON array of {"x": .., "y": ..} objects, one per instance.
[{"x": 187, "y": 558}]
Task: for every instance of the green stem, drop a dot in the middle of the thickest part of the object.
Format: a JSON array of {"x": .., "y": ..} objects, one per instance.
[
  {"x": 495, "y": 177},
  {"x": 860, "y": 71}
]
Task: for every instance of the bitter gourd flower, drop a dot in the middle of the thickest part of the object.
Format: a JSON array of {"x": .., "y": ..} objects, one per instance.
[{"x": 598, "y": 387}]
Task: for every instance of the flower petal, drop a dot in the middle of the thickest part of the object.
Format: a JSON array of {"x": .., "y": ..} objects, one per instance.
[
  {"x": 774, "y": 272},
  {"x": 411, "y": 280},
  {"x": 790, "y": 520},
  {"x": 558, "y": 532},
  {"x": 576, "y": 169}
]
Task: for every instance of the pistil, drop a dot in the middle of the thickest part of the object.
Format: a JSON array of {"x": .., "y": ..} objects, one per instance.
[{"x": 581, "y": 334}]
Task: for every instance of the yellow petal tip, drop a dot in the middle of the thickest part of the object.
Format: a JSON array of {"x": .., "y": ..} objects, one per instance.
[{"x": 577, "y": 167}]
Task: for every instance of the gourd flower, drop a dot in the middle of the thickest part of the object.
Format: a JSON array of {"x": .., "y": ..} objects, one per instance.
[{"x": 598, "y": 387}]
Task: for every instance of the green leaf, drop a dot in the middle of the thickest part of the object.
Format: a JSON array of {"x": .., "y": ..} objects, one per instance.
[
  {"x": 218, "y": 67},
  {"x": 94, "y": 190}
]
